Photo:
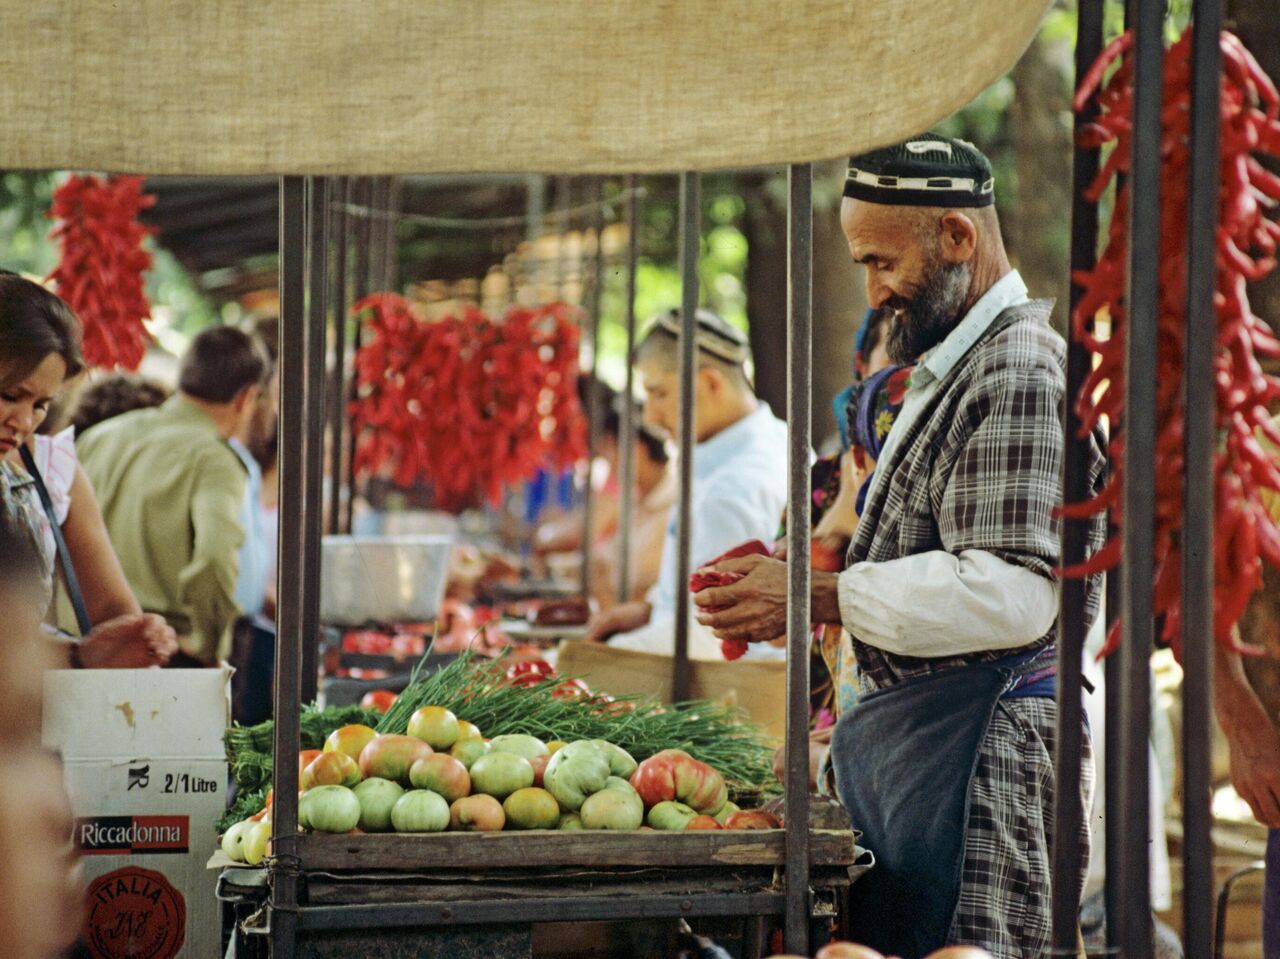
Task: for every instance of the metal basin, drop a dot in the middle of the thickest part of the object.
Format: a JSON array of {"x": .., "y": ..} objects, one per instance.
[{"x": 384, "y": 579}]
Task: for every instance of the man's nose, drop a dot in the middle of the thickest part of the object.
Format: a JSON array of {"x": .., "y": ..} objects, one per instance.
[{"x": 877, "y": 293}]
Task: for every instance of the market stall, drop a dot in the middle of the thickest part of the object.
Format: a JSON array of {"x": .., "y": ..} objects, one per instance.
[{"x": 590, "y": 118}]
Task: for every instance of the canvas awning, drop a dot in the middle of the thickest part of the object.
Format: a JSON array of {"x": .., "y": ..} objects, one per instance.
[{"x": 406, "y": 86}]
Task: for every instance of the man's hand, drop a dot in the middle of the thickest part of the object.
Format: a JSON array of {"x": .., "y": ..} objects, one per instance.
[
  {"x": 754, "y": 608},
  {"x": 620, "y": 619},
  {"x": 135, "y": 641},
  {"x": 819, "y": 740},
  {"x": 1255, "y": 768}
]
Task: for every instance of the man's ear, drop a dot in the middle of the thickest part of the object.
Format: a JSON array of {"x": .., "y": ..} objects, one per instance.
[
  {"x": 959, "y": 237},
  {"x": 247, "y": 397},
  {"x": 712, "y": 380}
]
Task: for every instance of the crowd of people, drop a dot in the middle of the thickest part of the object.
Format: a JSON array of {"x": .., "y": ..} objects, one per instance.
[{"x": 934, "y": 596}]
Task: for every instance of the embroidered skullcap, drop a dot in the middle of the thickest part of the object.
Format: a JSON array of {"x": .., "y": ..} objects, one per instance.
[
  {"x": 928, "y": 170},
  {"x": 714, "y": 334}
]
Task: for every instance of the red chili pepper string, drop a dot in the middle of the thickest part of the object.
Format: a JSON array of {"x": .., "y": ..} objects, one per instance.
[
  {"x": 101, "y": 265},
  {"x": 1246, "y": 245},
  {"x": 469, "y": 404}
]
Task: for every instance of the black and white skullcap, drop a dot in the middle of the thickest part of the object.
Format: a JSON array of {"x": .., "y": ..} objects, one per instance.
[
  {"x": 928, "y": 170},
  {"x": 715, "y": 335}
]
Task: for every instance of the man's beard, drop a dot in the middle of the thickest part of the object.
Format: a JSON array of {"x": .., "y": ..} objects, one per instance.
[{"x": 924, "y": 320}]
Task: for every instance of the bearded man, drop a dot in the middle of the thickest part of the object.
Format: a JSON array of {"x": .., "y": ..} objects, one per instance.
[{"x": 946, "y": 761}]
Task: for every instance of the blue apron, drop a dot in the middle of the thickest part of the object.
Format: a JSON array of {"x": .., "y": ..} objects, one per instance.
[{"x": 904, "y": 760}]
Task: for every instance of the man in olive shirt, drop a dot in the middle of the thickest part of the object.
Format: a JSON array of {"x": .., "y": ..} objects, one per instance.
[{"x": 171, "y": 489}]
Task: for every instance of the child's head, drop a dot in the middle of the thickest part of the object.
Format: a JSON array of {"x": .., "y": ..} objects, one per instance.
[{"x": 872, "y": 408}]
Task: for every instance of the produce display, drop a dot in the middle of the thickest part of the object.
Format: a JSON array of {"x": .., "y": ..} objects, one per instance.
[
  {"x": 1246, "y": 243},
  {"x": 476, "y": 747}
]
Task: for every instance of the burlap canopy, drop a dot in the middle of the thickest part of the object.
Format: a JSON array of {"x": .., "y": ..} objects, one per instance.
[{"x": 549, "y": 86}]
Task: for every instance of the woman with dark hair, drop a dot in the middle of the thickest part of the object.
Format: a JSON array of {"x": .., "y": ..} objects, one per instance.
[{"x": 39, "y": 353}]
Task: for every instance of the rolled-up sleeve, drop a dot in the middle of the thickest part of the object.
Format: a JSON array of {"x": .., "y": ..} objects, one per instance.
[{"x": 938, "y": 604}]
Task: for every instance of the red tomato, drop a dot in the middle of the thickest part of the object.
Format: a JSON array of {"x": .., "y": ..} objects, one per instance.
[
  {"x": 379, "y": 699},
  {"x": 702, "y": 822},
  {"x": 304, "y": 760},
  {"x": 529, "y": 672},
  {"x": 572, "y": 690}
]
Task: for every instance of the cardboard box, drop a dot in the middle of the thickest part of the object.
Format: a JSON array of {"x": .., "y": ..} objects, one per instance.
[
  {"x": 757, "y": 686},
  {"x": 147, "y": 777}
]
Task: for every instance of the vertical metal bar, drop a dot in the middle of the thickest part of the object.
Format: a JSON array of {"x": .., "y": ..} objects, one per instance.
[
  {"x": 285, "y": 738},
  {"x": 799, "y": 426},
  {"x": 1069, "y": 812},
  {"x": 627, "y": 438},
  {"x": 362, "y": 192},
  {"x": 313, "y": 426},
  {"x": 1134, "y": 924},
  {"x": 593, "y": 393},
  {"x": 1112, "y": 767},
  {"x": 379, "y": 195},
  {"x": 337, "y": 398},
  {"x": 690, "y": 248},
  {"x": 391, "y": 236},
  {"x": 1198, "y": 449}
]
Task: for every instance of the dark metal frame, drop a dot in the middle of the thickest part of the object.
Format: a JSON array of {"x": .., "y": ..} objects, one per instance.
[
  {"x": 303, "y": 230},
  {"x": 1128, "y": 701},
  {"x": 304, "y": 295}
]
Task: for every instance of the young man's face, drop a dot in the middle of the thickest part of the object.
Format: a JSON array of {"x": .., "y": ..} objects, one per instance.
[{"x": 662, "y": 400}]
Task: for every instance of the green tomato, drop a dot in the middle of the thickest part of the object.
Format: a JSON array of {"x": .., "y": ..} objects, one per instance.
[
  {"x": 519, "y": 744},
  {"x": 256, "y": 838},
  {"x": 468, "y": 750},
  {"x": 420, "y": 810},
  {"x": 575, "y": 772},
  {"x": 532, "y": 808},
  {"x": 613, "y": 809},
  {"x": 500, "y": 774},
  {"x": 571, "y": 822},
  {"x": 332, "y": 809},
  {"x": 727, "y": 810},
  {"x": 233, "y": 841},
  {"x": 621, "y": 762},
  {"x": 377, "y": 797},
  {"x": 670, "y": 815}
]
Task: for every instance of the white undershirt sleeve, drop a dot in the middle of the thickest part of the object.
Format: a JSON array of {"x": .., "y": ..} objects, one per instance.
[{"x": 939, "y": 604}]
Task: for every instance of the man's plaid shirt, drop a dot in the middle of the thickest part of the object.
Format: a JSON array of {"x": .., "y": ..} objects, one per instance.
[{"x": 980, "y": 468}]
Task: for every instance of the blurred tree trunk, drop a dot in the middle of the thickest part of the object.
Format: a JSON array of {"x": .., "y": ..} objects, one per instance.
[
  {"x": 1257, "y": 23},
  {"x": 1035, "y": 222},
  {"x": 838, "y": 299}
]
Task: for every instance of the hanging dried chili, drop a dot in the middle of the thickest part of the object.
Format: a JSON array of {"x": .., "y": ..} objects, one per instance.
[
  {"x": 468, "y": 404},
  {"x": 1246, "y": 246},
  {"x": 101, "y": 265}
]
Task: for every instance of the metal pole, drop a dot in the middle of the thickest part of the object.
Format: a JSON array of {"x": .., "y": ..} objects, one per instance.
[
  {"x": 1072, "y": 626},
  {"x": 337, "y": 399},
  {"x": 593, "y": 391},
  {"x": 391, "y": 238},
  {"x": 362, "y": 190},
  {"x": 317, "y": 309},
  {"x": 1134, "y": 924},
  {"x": 690, "y": 247},
  {"x": 799, "y": 426},
  {"x": 627, "y": 438},
  {"x": 285, "y": 738},
  {"x": 1198, "y": 449}
]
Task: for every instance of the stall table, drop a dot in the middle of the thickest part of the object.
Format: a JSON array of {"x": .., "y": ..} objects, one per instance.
[{"x": 476, "y": 894}]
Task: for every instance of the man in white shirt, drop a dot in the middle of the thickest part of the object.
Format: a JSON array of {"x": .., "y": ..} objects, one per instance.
[
  {"x": 946, "y": 760},
  {"x": 739, "y": 474}
]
